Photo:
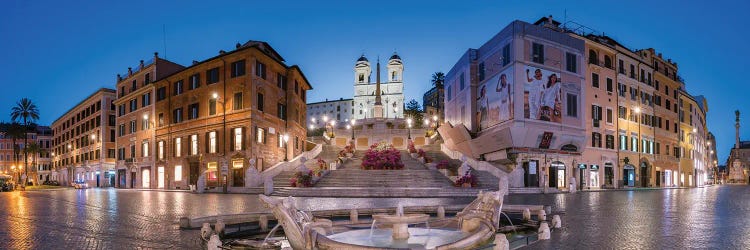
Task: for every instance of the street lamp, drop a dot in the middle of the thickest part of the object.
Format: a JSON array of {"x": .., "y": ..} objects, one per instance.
[
  {"x": 408, "y": 122},
  {"x": 286, "y": 146},
  {"x": 353, "y": 121}
]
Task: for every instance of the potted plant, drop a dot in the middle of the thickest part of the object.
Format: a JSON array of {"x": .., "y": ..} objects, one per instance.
[
  {"x": 412, "y": 150},
  {"x": 468, "y": 180}
]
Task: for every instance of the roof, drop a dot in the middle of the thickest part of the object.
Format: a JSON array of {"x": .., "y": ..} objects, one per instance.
[
  {"x": 339, "y": 100},
  {"x": 362, "y": 59},
  {"x": 84, "y": 99},
  {"x": 395, "y": 57}
]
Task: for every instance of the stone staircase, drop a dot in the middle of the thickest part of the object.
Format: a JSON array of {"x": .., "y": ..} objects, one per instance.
[
  {"x": 485, "y": 179},
  {"x": 328, "y": 153}
]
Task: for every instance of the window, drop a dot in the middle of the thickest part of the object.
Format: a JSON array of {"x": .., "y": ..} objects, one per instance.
[
  {"x": 280, "y": 139},
  {"x": 212, "y": 76},
  {"x": 634, "y": 144},
  {"x": 212, "y": 142},
  {"x": 161, "y": 93},
  {"x": 177, "y": 88},
  {"x": 178, "y": 173},
  {"x": 572, "y": 105},
  {"x": 193, "y": 144},
  {"x": 133, "y": 105},
  {"x": 506, "y": 54},
  {"x": 596, "y": 140},
  {"x": 211, "y": 106},
  {"x": 144, "y": 149},
  {"x": 296, "y": 87},
  {"x": 537, "y": 53},
  {"x": 281, "y": 80},
  {"x": 448, "y": 93},
  {"x": 195, "y": 81},
  {"x": 260, "y": 70},
  {"x": 146, "y": 99},
  {"x": 177, "y": 115},
  {"x": 621, "y": 88},
  {"x": 134, "y": 85},
  {"x": 607, "y": 61},
  {"x": 609, "y": 85},
  {"x": 260, "y": 135},
  {"x": 161, "y": 119},
  {"x": 571, "y": 62},
  {"x": 623, "y": 142},
  {"x": 461, "y": 81},
  {"x": 177, "y": 147},
  {"x": 237, "y": 102},
  {"x": 621, "y": 67},
  {"x": 145, "y": 124},
  {"x": 147, "y": 78},
  {"x": 237, "y": 139},
  {"x": 238, "y": 68},
  {"x": 193, "y": 111},
  {"x": 595, "y": 80},
  {"x": 260, "y": 101},
  {"x": 121, "y": 130},
  {"x": 132, "y": 126},
  {"x": 132, "y": 151},
  {"x": 160, "y": 152},
  {"x": 596, "y": 113},
  {"x": 282, "y": 111},
  {"x": 111, "y": 120},
  {"x": 610, "y": 142},
  {"x": 609, "y": 115}
]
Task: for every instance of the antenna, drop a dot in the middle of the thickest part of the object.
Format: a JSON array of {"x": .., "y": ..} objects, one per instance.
[{"x": 164, "y": 38}]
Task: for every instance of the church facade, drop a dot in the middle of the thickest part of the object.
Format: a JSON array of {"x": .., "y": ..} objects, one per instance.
[
  {"x": 391, "y": 91},
  {"x": 739, "y": 157}
]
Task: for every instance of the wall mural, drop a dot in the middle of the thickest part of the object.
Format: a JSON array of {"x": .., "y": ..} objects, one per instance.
[
  {"x": 542, "y": 95},
  {"x": 495, "y": 99}
]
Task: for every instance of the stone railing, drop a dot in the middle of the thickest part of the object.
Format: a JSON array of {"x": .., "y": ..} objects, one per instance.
[
  {"x": 291, "y": 164},
  {"x": 475, "y": 164}
]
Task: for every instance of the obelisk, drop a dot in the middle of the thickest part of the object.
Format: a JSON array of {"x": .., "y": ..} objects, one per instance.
[{"x": 378, "y": 108}]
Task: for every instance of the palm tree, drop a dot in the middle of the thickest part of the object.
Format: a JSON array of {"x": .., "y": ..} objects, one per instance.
[
  {"x": 34, "y": 149},
  {"x": 437, "y": 79},
  {"x": 27, "y": 111},
  {"x": 15, "y": 132}
]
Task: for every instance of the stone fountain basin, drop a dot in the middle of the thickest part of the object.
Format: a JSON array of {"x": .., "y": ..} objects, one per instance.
[{"x": 390, "y": 219}]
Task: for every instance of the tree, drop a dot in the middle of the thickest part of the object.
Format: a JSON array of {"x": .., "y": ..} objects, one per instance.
[
  {"x": 414, "y": 112},
  {"x": 26, "y": 111},
  {"x": 15, "y": 132},
  {"x": 34, "y": 149},
  {"x": 438, "y": 78}
]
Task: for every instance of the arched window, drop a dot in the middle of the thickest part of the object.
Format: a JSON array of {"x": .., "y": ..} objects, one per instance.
[
  {"x": 394, "y": 76},
  {"x": 593, "y": 58},
  {"x": 607, "y": 61},
  {"x": 361, "y": 77}
]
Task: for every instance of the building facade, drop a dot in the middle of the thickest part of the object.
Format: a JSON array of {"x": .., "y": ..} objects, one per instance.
[
  {"x": 738, "y": 163},
  {"x": 135, "y": 124},
  {"x": 433, "y": 102},
  {"x": 624, "y": 119},
  {"x": 392, "y": 91},
  {"x": 12, "y": 157},
  {"x": 521, "y": 92},
  {"x": 318, "y": 113},
  {"x": 84, "y": 141},
  {"x": 248, "y": 104}
]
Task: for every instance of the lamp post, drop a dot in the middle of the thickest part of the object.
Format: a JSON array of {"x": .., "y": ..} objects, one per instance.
[
  {"x": 286, "y": 146},
  {"x": 408, "y": 122},
  {"x": 640, "y": 141},
  {"x": 395, "y": 112},
  {"x": 353, "y": 121},
  {"x": 333, "y": 123}
]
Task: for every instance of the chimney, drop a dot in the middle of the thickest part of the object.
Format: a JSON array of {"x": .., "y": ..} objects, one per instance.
[
  {"x": 237, "y": 46},
  {"x": 221, "y": 52},
  {"x": 130, "y": 71},
  {"x": 156, "y": 55},
  {"x": 119, "y": 78},
  {"x": 659, "y": 55},
  {"x": 737, "y": 129},
  {"x": 195, "y": 62},
  {"x": 549, "y": 19},
  {"x": 141, "y": 64},
  {"x": 669, "y": 60}
]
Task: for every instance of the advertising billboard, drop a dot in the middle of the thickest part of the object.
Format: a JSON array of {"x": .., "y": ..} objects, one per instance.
[
  {"x": 542, "y": 95},
  {"x": 495, "y": 99}
]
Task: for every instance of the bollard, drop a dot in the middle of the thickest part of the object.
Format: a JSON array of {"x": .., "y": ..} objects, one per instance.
[
  {"x": 184, "y": 222},
  {"x": 214, "y": 243},
  {"x": 206, "y": 230},
  {"x": 263, "y": 223},
  {"x": 543, "y": 231},
  {"x": 354, "y": 216},
  {"x": 219, "y": 227},
  {"x": 548, "y": 209},
  {"x": 526, "y": 214},
  {"x": 441, "y": 212},
  {"x": 541, "y": 215},
  {"x": 501, "y": 242},
  {"x": 556, "y": 223}
]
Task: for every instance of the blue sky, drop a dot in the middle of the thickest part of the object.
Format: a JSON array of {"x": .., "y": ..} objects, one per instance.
[{"x": 59, "y": 52}]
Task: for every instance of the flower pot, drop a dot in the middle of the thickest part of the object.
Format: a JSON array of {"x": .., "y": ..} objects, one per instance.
[{"x": 466, "y": 185}]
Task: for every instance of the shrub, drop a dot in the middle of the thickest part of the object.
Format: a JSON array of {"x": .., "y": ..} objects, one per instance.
[
  {"x": 467, "y": 178},
  {"x": 381, "y": 156},
  {"x": 302, "y": 179}
]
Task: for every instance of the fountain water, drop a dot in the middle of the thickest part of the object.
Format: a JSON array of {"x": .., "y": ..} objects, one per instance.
[
  {"x": 371, "y": 227},
  {"x": 270, "y": 233},
  {"x": 511, "y": 222}
]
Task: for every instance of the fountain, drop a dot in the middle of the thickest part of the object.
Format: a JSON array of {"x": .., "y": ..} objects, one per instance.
[{"x": 473, "y": 227}]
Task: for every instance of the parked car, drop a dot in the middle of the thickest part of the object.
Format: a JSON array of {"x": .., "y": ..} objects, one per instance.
[
  {"x": 80, "y": 185},
  {"x": 51, "y": 183},
  {"x": 6, "y": 183}
]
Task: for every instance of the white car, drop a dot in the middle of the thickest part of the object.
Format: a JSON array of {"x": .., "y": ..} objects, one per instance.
[{"x": 80, "y": 185}]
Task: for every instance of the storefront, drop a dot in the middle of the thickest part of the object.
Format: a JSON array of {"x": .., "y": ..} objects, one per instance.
[
  {"x": 238, "y": 172},
  {"x": 531, "y": 173},
  {"x": 594, "y": 176},
  {"x": 557, "y": 175},
  {"x": 668, "y": 178},
  {"x": 628, "y": 175},
  {"x": 160, "y": 180},
  {"x": 609, "y": 175},
  {"x": 582, "y": 175},
  {"x": 146, "y": 177}
]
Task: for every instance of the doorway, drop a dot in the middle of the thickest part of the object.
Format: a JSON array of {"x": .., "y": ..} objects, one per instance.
[
  {"x": 160, "y": 177},
  {"x": 609, "y": 175},
  {"x": 557, "y": 175},
  {"x": 238, "y": 173},
  {"x": 146, "y": 178},
  {"x": 644, "y": 174},
  {"x": 628, "y": 175},
  {"x": 121, "y": 176},
  {"x": 530, "y": 178},
  {"x": 132, "y": 180},
  {"x": 658, "y": 178},
  {"x": 194, "y": 173}
]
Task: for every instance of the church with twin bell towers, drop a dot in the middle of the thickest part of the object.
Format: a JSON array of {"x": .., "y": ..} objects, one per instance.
[{"x": 378, "y": 99}]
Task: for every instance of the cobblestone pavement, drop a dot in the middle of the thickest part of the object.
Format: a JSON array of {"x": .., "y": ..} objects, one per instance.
[{"x": 699, "y": 218}]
